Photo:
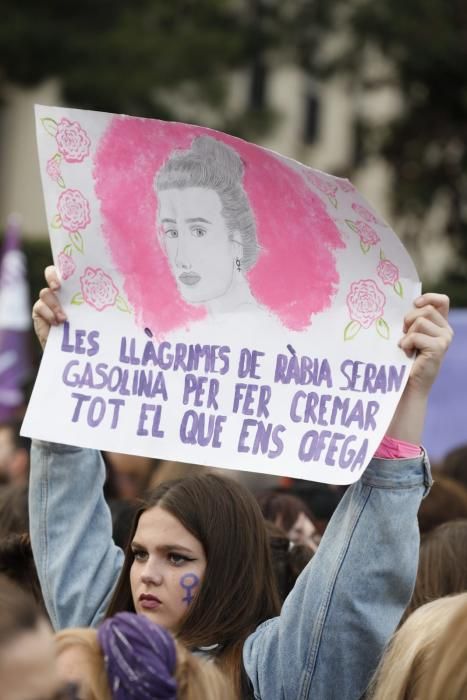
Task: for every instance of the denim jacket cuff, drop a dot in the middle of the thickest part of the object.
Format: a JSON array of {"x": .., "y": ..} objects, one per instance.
[
  {"x": 56, "y": 447},
  {"x": 399, "y": 473}
]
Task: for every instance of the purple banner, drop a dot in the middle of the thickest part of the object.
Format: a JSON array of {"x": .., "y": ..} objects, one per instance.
[
  {"x": 446, "y": 424},
  {"x": 15, "y": 322}
]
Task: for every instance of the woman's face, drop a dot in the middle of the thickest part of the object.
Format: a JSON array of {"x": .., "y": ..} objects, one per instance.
[
  {"x": 200, "y": 249},
  {"x": 303, "y": 531},
  {"x": 168, "y": 567}
]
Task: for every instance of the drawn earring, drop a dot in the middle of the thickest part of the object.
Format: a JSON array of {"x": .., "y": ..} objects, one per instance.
[{"x": 238, "y": 264}]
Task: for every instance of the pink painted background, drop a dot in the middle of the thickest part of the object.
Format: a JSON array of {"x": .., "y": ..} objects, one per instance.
[{"x": 295, "y": 275}]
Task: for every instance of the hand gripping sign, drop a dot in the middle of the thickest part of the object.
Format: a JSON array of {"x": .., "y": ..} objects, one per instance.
[{"x": 226, "y": 305}]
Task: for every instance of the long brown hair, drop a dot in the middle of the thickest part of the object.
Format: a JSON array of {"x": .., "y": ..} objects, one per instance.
[
  {"x": 238, "y": 591},
  {"x": 442, "y": 566}
]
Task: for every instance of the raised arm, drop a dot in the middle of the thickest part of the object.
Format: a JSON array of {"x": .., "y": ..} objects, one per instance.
[
  {"x": 349, "y": 599},
  {"x": 71, "y": 528}
]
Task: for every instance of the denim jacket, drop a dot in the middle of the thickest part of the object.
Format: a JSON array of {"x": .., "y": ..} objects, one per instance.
[{"x": 334, "y": 624}]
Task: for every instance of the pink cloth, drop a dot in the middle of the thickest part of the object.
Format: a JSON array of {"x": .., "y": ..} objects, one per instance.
[{"x": 396, "y": 449}]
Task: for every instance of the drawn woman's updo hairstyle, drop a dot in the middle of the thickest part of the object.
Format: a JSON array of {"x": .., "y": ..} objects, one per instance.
[{"x": 213, "y": 165}]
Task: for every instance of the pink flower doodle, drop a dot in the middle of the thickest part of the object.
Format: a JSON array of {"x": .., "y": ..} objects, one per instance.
[
  {"x": 364, "y": 213},
  {"x": 73, "y": 210},
  {"x": 346, "y": 186},
  {"x": 365, "y": 303},
  {"x": 66, "y": 265},
  {"x": 72, "y": 141},
  {"x": 53, "y": 169},
  {"x": 98, "y": 289},
  {"x": 367, "y": 234},
  {"x": 389, "y": 274},
  {"x": 327, "y": 187}
]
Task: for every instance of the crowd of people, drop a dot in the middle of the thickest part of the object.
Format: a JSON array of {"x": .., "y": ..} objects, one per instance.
[{"x": 135, "y": 578}]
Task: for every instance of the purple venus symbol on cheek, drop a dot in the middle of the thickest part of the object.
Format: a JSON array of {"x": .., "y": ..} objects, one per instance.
[{"x": 189, "y": 582}]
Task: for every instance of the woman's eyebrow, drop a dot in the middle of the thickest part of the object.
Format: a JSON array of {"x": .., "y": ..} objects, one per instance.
[
  {"x": 196, "y": 219},
  {"x": 178, "y": 547},
  {"x": 164, "y": 547},
  {"x": 170, "y": 221}
]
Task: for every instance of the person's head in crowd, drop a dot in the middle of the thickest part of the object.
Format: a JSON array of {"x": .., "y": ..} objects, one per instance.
[
  {"x": 81, "y": 663},
  {"x": 442, "y": 566},
  {"x": 199, "y": 563},
  {"x": 288, "y": 562},
  {"x": 14, "y": 454},
  {"x": 446, "y": 677},
  {"x": 128, "y": 476},
  {"x": 14, "y": 516},
  {"x": 320, "y": 499},
  {"x": 454, "y": 465},
  {"x": 27, "y": 652},
  {"x": 17, "y": 564},
  {"x": 169, "y": 470},
  {"x": 131, "y": 657},
  {"x": 446, "y": 501},
  {"x": 291, "y": 515},
  {"x": 411, "y": 654}
]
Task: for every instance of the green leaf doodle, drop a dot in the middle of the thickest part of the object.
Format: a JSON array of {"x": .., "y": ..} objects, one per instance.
[
  {"x": 364, "y": 246},
  {"x": 50, "y": 125},
  {"x": 398, "y": 289},
  {"x": 68, "y": 249},
  {"x": 77, "y": 299},
  {"x": 382, "y": 328},
  {"x": 351, "y": 330},
  {"x": 121, "y": 304},
  {"x": 56, "y": 222},
  {"x": 77, "y": 240},
  {"x": 351, "y": 225}
]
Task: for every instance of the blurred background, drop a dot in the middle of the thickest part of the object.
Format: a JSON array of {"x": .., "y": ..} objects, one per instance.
[{"x": 373, "y": 90}]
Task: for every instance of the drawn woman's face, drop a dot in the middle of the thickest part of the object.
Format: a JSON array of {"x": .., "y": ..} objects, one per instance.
[{"x": 200, "y": 249}]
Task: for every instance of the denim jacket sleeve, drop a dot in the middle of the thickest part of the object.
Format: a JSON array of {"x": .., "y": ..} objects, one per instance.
[
  {"x": 336, "y": 621},
  {"x": 71, "y": 533}
]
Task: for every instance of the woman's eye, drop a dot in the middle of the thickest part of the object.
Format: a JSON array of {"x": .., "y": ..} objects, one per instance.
[
  {"x": 177, "y": 559},
  {"x": 139, "y": 554},
  {"x": 171, "y": 233},
  {"x": 198, "y": 232}
]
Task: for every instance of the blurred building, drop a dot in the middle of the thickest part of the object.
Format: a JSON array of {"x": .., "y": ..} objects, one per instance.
[{"x": 317, "y": 124}]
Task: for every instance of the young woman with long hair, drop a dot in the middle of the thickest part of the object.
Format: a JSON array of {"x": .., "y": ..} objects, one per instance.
[{"x": 199, "y": 562}]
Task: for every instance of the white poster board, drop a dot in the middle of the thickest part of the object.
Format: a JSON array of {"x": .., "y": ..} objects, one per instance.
[{"x": 226, "y": 305}]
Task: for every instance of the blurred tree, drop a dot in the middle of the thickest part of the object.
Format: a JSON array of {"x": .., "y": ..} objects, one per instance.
[
  {"x": 120, "y": 56},
  {"x": 421, "y": 48}
]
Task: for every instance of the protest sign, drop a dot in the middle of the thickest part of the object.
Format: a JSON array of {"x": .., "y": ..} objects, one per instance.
[{"x": 226, "y": 305}]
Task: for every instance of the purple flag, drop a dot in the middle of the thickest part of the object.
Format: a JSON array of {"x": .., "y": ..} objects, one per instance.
[
  {"x": 15, "y": 323},
  {"x": 446, "y": 423}
]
